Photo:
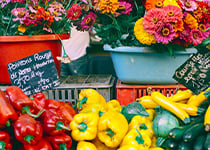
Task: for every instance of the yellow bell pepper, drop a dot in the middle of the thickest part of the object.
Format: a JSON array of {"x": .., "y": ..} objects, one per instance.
[
  {"x": 101, "y": 146},
  {"x": 129, "y": 147},
  {"x": 90, "y": 96},
  {"x": 112, "y": 127},
  {"x": 154, "y": 140},
  {"x": 84, "y": 126},
  {"x": 156, "y": 148},
  {"x": 113, "y": 105},
  {"x": 139, "y": 121},
  {"x": 152, "y": 114},
  {"x": 137, "y": 138},
  {"x": 93, "y": 108},
  {"x": 83, "y": 145}
]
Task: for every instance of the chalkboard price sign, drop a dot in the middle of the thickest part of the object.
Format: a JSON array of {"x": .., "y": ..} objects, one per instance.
[
  {"x": 34, "y": 73},
  {"x": 195, "y": 72}
]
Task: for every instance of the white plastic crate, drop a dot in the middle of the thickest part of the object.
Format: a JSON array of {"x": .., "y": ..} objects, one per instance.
[{"x": 71, "y": 86}]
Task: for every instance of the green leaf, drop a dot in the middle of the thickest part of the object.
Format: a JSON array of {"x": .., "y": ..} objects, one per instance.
[{"x": 133, "y": 109}]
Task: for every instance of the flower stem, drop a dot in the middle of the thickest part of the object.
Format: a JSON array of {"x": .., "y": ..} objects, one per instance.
[{"x": 10, "y": 20}]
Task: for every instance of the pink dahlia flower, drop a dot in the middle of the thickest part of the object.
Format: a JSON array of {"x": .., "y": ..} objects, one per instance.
[
  {"x": 203, "y": 28},
  {"x": 174, "y": 13},
  {"x": 188, "y": 5},
  {"x": 154, "y": 19},
  {"x": 20, "y": 13},
  {"x": 88, "y": 21},
  {"x": 196, "y": 37},
  {"x": 165, "y": 34}
]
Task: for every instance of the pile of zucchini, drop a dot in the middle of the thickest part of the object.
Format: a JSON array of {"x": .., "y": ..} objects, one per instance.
[{"x": 193, "y": 113}]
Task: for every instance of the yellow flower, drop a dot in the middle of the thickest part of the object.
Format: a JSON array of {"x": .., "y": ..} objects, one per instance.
[
  {"x": 21, "y": 28},
  {"x": 141, "y": 34},
  {"x": 170, "y": 2},
  {"x": 191, "y": 21},
  {"x": 109, "y": 6}
]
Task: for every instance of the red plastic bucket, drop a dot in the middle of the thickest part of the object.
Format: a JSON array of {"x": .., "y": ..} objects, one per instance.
[{"x": 13, "y": 48}]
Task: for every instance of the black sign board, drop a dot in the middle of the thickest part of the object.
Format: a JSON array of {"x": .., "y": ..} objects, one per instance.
[
  {"x": 195, "y": 72},
  {"x": 34, "y": 73}
]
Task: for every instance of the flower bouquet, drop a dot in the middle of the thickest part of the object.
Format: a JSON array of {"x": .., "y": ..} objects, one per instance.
[
  {"x": 35, "y": 17},
  {"x": 115, "y": 21},
  {"x": 174, "y": 25},
  {"x": 161, "y": 24}
]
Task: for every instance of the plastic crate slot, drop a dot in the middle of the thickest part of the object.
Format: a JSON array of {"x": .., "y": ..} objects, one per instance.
[{"x": 129, "y": 93}]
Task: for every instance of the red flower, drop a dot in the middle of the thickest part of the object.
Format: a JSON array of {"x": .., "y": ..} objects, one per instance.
[
  {"x": 203, "y": 12},
  {"x": 41, "y": 13},
  {"x": 74, "y": 12}
]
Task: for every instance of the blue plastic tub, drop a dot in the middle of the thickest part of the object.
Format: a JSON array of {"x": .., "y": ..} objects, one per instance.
[{"x": 139, "y": 65}]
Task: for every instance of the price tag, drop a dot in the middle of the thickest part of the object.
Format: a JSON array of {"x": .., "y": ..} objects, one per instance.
[
  {"x": 195, "y": 72},
  {"x": 34, "y": 73}
]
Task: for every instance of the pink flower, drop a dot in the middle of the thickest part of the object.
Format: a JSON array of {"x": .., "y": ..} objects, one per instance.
[
  {"x": 47, "y": 29},
  {"x": 33, "y": 8},
  {"x": 203, "y": 28},
  {"x": 124, "y": 8},
  {"x": 188, "y": 5},
  {"x": 20, "y": 13},
  {"x": 56, "y": 10},
  {"x": 88, "y": 21},
  {"x": 174, "y": 13},
  {"x": 19, "y": 1},
  {"x": 185, "y": 34},
  {"x": 154, "y": 19},
  {"x": 31, "y": 19},
  {"x": 4, "y": 3},
  {"x": 165, "y": 34},
  {"x": 196, "y": 37}
]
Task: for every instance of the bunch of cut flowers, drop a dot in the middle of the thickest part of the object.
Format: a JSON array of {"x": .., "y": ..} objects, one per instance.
[
  {"x": 115, "y": 20},
  {"x": 35, "y": 17},
  {"x": 174, "y": 24}
]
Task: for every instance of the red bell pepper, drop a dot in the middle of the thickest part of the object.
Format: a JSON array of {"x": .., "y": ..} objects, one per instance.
[
  {"x": 60, "y": 142},
  {"x": 7, "y": 111},
  {"x": 67, "y": 112},
  {"x": 38, "y": 100},
  {"x": 61, "y": 108},
  {"x": 20, "y": 100},
  {"x": 43, "y": 144},
  {"x": 52, "y": 104},
  {"x": 27, "y": 130},
  {"x": 5, "y": 143},
  {"x": 53, "y": 123}
]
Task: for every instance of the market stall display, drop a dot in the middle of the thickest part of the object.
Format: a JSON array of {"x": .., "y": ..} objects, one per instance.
[{"x": 152, "y": 122}]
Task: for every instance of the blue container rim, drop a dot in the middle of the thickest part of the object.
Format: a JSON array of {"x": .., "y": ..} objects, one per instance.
[{"x": 144, "y": 49}]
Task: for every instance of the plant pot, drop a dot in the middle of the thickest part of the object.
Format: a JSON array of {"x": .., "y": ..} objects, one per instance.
[
  {"x": 13, "y": 48},
  {"x": 141, "y": 65}
]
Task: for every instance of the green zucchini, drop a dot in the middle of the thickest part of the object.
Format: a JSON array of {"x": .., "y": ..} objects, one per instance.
[
  {"x": 207, "y": 142},
  {"x": 170, "y": 144},
  {"x": 176, "y": 133},
  {"x": 191, "y": 133},
  {"x": 199, "y": 142},
  {"x": 184, "y": 146},
  {"x": 197, "y": 119}
]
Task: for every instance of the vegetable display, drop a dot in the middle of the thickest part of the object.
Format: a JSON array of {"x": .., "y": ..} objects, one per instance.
[
  {"x": 33, "y": 123},
  {"x": 153, "y": 122}
]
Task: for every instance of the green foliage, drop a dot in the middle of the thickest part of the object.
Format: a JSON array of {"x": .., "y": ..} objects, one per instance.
[{"x": 119, "y": 30}]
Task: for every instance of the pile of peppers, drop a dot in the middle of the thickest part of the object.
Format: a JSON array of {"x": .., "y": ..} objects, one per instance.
[
  {"x": 37, "y": 123},
  {"x": 34, "y": 123},
  {"x": 102, "y": 125}
]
